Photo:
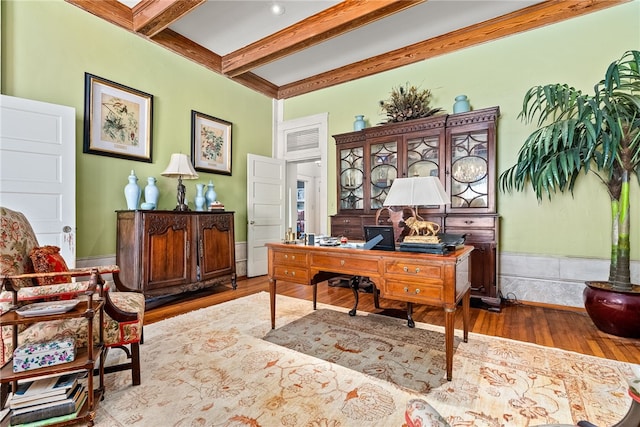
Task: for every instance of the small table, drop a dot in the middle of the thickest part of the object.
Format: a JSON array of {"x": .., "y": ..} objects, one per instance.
[{"x": 438, "y": 280}]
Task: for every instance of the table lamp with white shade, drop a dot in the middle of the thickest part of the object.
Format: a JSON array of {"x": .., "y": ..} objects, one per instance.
[
  {"x": 418, "y": 191},
  {"x": 180, "y": 167}
]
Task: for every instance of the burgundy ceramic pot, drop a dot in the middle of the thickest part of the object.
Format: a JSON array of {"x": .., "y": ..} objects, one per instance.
[{"x": 613, "y": 312}]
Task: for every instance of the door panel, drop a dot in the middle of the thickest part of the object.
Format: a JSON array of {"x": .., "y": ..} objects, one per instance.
[
  {"x": 265, "y": 209},
  {"x": 37, "y": 169}
]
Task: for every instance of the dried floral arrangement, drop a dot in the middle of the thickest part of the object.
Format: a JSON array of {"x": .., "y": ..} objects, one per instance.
[{"x": 408, "y": 103}]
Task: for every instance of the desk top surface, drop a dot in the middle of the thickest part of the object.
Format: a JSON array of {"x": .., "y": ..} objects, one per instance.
[{"x": 351, "y": 249}]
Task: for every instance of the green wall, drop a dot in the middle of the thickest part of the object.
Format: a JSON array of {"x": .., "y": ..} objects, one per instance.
[
  {"x": 576, "y": 51},
  {"x": 47, "y": 46}
]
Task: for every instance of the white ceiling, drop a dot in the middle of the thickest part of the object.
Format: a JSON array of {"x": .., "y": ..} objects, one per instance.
[
  {"x": 226, "y": 26},
  {"x": 346, "y": 42}
]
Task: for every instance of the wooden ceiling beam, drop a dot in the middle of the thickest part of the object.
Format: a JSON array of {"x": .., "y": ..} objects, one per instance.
[
  {"x": 181, "y": 45},
  {"x": 339, "y": 19},
  {"x": 110, "y": 10},
  {"x": 152, "y": 16},
  {"x": 257, "y": 83},
  {"x": 535, "y": 16}
]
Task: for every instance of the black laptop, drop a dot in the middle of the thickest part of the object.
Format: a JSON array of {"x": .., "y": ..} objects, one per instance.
[{"x": 379, "y": 237}]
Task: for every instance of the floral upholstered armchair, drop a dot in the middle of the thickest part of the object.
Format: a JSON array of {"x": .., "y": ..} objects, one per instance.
[{"x": 31, "y": 273}]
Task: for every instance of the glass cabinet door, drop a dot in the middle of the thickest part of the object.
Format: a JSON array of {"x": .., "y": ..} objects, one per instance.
[
  {"x": 423, "y": 156},
  {"x": 352, "y": 178},
  {"x": 469, "y": 170},
  {"x": 383, "y": 161}
]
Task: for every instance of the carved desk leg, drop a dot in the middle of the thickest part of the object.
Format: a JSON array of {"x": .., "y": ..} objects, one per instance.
[{"x": 449, "y": 320}]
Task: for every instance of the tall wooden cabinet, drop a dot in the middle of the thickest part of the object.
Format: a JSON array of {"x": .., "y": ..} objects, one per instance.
[
  {"x": 460, "y": 149},
  {"x": 166, "y": 252}
]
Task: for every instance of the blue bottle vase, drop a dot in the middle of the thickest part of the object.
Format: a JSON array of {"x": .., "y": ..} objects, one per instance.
[{"x": 132, "y": 192}]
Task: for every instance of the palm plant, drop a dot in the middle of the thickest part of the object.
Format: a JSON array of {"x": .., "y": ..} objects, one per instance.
[{"x": 579, "y": 133}]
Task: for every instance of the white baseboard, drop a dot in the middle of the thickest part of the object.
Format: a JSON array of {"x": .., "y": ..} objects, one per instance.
[{"x": 552, "y": 279}]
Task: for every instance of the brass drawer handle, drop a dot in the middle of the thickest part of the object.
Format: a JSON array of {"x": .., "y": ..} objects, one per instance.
[
  {"x": 286, "y": 272},
  {"x": 286, "y": 256},
  {"x": 406, "y": 269},
  {"x": 406, "y": 289},
  {"x": 341, "y": 262},
  {"x": 417, "y": 269}
]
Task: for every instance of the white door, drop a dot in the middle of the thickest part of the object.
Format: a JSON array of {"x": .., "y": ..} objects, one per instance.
[
  {"x": 266, "y": 201},
  {"x": 38, "y": 169}
]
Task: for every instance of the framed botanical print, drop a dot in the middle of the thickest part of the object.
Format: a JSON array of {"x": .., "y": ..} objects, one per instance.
[
  {"x": 210, "y": 143},
  {"x": 118, "y": 120}
]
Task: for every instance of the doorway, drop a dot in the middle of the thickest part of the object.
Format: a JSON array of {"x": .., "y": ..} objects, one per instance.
[{"x": 306, "y": 202}]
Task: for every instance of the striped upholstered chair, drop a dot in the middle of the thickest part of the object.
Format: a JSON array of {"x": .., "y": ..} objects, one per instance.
[{"x": 123, "y": 309}]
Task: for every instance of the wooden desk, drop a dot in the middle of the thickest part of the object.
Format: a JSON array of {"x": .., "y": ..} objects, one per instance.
[{"x": 439, "y": 280}]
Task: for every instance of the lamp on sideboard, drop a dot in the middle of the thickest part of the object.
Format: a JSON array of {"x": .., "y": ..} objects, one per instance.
[
  {"x": 418, "y": 191},
  {"x": 180, "y": 167}
]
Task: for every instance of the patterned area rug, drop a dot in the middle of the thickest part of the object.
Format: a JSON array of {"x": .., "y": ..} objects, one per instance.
[
  {"x": 496, "y": 382},
  {"x": 212, "y": 367}
]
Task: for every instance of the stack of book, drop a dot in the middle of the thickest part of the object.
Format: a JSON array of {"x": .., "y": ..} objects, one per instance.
[
  {"x": 46, "y": 401},
  {"x": 216, "y": 206},
  {"x": 427, "y": 248}
]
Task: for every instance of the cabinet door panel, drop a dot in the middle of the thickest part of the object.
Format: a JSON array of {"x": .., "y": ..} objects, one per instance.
[
  {"x": 383, "y": 165},
  {"x": 351, "y": 179},
  {"x": 167, "y": 250},
  {"x": 215, "y": 250},
  {"x": 423, "y": 156},
  {"x": 483, "y": 273}
]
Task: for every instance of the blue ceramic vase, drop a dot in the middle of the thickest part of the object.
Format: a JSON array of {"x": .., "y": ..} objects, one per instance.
[
  {"x": 461, "y": 105},
  {"x": 132, "y": 192}
]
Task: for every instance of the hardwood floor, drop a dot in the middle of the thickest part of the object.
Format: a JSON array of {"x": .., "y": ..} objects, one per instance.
[{"x": 567, "y": 330}]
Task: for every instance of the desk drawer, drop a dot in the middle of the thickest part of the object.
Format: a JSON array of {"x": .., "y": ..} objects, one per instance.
[
  {"x": 292, "y": 258},
  {"x": 475, "y": 235},
  {"x": 427, "y": 293},
  {"x": 350, "y": 232},
  {"x": 340, "y": 263},
  {"x": 348, "y": 226},
  {"x": 413, "y": 270},
  {"x": 469, "y": 222},
  {"x": 291, "y": 274}
]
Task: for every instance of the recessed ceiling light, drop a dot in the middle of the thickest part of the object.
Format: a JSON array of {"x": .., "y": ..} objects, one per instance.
[{"x": 277, "y": 9}]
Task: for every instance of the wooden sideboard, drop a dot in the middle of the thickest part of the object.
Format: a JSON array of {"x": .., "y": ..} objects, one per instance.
[
  {"x": 460, "y": 149},
  {"x": 167, "y": 252},
  {"x": 439, "y": 280}
]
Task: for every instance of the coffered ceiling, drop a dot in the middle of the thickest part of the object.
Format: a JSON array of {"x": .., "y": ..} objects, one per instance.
[{"x": 317, "y": 44}]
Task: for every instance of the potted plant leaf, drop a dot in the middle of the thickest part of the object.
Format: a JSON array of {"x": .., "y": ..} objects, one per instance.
[{"x": 598, "y": 133}]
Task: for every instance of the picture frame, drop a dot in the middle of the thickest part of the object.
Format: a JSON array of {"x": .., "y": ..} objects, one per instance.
[
  {"x": 211, "y": 143},
  {"x": 118, "y": 120}
]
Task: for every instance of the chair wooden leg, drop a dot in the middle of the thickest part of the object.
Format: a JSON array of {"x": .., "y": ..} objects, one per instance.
[
  {"x": 4, "y": 394},
  {"x": 135, "y": 363}
]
